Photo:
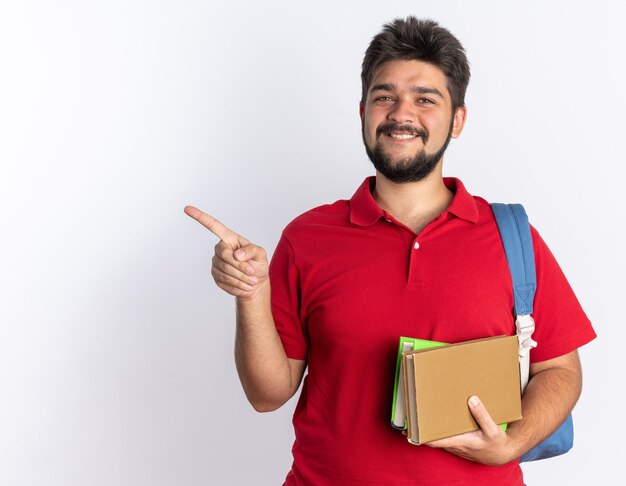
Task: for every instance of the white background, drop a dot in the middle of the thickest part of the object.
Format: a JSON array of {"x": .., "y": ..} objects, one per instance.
[{"x": 115, "y": 346}]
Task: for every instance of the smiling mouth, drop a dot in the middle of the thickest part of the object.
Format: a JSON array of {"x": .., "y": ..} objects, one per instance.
[
  {"x": 402, "y": 133},
  {"x": 402, "y": 136}
]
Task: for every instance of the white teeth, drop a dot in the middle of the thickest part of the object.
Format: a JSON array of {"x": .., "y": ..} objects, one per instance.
[{"x": 402, "y": 136}]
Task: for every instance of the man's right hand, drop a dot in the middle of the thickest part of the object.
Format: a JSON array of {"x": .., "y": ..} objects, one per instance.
[{"x": 239, "y": 267}]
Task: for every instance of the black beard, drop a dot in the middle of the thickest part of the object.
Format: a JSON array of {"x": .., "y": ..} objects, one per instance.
[{"x": 409, "y": 169}]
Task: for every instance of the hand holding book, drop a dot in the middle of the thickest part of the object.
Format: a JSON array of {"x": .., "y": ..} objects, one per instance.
[{"x": 487, "y": 445}]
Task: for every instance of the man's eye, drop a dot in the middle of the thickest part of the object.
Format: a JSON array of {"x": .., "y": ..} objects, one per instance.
[
  {"x": 425, "y": 101},
  {"x": 384, "y": 98}
]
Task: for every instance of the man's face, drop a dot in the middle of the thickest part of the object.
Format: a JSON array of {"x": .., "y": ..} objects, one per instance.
[{"x": 407, "y": 119}]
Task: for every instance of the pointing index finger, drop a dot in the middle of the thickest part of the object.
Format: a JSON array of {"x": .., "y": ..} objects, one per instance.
[{"x": 213, "y": 225}]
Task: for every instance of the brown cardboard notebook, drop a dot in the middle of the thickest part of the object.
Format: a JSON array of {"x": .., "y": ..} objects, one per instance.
[{"x": 439, "y": 381}]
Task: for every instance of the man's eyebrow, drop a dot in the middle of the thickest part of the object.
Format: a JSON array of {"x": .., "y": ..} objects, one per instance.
[
  {"x": 424, "y": 90},
  {"x": 383, "y": 87}
]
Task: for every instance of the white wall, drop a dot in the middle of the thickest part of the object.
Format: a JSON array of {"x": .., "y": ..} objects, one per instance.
[{"x": 116, "y": 348}]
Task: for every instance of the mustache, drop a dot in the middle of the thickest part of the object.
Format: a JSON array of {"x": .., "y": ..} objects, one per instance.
[{"x": 396, "y": 127}]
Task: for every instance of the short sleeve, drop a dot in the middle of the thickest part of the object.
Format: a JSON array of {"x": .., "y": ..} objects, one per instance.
[
  {"x": 286, "y": 300},
  {"x": 561, "y": 325}
]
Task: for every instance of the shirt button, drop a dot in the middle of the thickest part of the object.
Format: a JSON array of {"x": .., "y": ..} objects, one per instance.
[{"x": 416, "y": 245}]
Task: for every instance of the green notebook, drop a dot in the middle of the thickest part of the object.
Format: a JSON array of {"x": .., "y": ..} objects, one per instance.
[{"x": 398, "y": 408}]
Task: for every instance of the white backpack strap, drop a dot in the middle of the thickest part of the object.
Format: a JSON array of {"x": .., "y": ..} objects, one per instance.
[{"x": 525, "y": 326}]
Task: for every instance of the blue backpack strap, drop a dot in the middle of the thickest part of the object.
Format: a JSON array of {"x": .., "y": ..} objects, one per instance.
[
  {"x": 514, "y": 229},
  {"x": 518, "y": 247}
]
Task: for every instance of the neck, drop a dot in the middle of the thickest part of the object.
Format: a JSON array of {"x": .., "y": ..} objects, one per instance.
[{"x": 414, "y": 204}]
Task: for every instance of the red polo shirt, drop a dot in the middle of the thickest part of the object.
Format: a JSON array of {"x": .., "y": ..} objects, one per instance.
[{"x": 348, "y": 280}]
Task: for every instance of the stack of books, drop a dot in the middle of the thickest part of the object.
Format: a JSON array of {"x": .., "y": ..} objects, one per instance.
[{"x": 434, "y": 381}]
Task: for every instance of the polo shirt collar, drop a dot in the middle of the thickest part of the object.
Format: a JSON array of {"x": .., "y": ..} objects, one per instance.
[
  {"x": 365, "y": 212},
  {"x": 363, "y": 209},
  {"x": 463, "y": 204}
]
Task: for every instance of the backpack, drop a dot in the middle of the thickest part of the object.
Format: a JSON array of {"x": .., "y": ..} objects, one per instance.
[{"x": 514, "y": 230}]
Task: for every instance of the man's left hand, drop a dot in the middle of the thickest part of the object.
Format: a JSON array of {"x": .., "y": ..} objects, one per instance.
[{"x": 488, "y": 445}]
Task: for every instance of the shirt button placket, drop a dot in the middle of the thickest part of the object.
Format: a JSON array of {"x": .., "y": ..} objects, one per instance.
[{"x": 414, "y": 278}]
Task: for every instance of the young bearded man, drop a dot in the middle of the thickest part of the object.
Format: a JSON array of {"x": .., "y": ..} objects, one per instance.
[{"x": 410, "y": 254}]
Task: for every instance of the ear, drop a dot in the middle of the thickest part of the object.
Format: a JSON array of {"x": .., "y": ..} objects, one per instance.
[
  {"x": 460, "y": 115},
  {"x": 361, "y": 110}
]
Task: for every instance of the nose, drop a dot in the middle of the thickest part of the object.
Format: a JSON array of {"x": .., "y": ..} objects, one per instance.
[{"x": 403, "y": 111}]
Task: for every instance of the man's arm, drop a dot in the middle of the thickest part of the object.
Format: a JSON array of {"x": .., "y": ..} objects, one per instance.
[
  {"x": 240, "y": 268},
  {"x": 552, "y": 392},
  {"x": 550, "y": 396},
  {"x": 267, "y": 375}
]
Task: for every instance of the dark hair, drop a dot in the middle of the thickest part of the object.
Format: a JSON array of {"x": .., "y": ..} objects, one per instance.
[{"x": 420, "y": 40}]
